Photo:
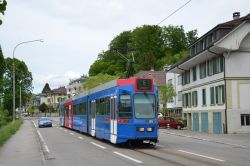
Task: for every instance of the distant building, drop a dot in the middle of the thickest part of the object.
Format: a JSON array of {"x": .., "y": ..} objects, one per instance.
[
  {"x": 75, "y": 86},
  {"x": 53, "y": 98},
  {"x": 216, "y": 79},
  {"x": 37, "y": 100},
  {"x": 158, "y": 76},
  {"x": 174, "y": 105}
]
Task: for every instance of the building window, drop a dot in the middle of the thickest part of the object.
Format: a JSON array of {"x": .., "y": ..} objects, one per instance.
[
  {"x": 179, "y": 79},
  {"x": 215, "y": 65},
  {"x": 194, "y": 98},
  {"x": 179, "y": 96},
  {"x": 192, "y": 50},
  {"x": 204, "y": 102},
  {"x": 170, "y": 81},
  {"x": 220, "y": 94},
  {"x": 186, "y": 77},
  {"x": 245, "y": 119},
  {"x": 194, "y": 73},
  {"x": 210, "y": 67},
  {"x": 203, "y": 71}
]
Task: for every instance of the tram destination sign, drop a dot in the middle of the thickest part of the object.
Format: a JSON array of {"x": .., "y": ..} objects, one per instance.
[{"x": 144, "y": 84}]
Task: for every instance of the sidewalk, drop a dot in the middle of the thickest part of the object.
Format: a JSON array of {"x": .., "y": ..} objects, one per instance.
[
  {"x": 236, "y": 140},
  {"x": 22, "y": 149}
]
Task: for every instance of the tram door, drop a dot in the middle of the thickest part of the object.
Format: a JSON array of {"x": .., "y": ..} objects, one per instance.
[
  {"x": 66, "y": 116},
  {"x": 93, "y": 117},
  {"x": 113, "y": 120}
]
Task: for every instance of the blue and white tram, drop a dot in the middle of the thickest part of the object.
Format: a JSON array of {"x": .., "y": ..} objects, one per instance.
[{"x": 119, "y": 111}]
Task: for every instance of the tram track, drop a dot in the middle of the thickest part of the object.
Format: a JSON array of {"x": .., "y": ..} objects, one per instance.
[{"x": 175, "y": 157}]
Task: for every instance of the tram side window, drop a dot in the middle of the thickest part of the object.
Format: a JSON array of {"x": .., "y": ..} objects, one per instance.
[
  {"x": 76, "y": 109},
  {"x": 100, "y": 106},
  {"x": 107, "y": 105},
  {"x": 125, "y": 108},
  {"x": 82, "y": 109}
]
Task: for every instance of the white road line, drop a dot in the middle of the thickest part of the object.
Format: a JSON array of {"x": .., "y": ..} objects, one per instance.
[
  {"x": 34, "y": 124},
  {"x": 80, "y": 138},
  {"x": 201, "y": 155},
  {"x": 162, "y": 146},
  {"x": 71, "y": 133},
  {"x": 41, "y": 138},
  {"x": 127, "y": 157},
  {"x": 100, "y": 146}
]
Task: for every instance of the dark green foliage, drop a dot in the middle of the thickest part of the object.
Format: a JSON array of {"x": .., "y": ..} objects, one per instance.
[
  {"x": 46, "y": 89},
  {"x": 155, "y": 47},
  {"x": 43, "y": 107},
  {"x": 3, "y": 5},
  {"x": 2, "y": 70},
  {"x": 4, "y": 117},
  {"x": 98, "y": 79},
  {"x": 7, "y": 131},
  {"x": 23, "y": 79}
]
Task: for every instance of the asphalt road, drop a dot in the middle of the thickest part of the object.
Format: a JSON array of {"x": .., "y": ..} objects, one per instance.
[{"x": 66, "y": 147}]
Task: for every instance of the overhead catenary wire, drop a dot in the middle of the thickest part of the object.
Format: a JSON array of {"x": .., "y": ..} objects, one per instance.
[{"x": 175, "y": 11}]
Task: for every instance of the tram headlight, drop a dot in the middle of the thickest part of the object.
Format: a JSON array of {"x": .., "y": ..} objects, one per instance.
[
  {"x": 150, "y": 129},
  {"x": 141, "y": 129}
]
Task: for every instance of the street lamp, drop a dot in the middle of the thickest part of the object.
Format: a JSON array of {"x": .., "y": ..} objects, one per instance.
[{"x": 14, "y": 83}]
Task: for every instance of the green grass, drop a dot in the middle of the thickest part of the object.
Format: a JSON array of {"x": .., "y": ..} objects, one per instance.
[{"x": 7, "y": 131}]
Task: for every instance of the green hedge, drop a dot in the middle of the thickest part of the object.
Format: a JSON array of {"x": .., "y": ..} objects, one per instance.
[{"x": 7, "y": 131}]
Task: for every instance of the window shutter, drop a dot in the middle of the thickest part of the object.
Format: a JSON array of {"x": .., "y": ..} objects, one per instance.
[
  {"x": 212, "y": 95},
  {"x": 217, "y": 94},
  {"x": 223, "y": 93},
  {"x": 221, "y": 64}
]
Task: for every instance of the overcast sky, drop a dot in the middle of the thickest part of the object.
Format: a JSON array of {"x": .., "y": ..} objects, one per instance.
[{"x": 74, "y": 32}]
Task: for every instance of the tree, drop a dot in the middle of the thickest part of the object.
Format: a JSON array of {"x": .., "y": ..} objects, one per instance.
[
  {"x": 46, "y": 89},
  {"x": 31, "y": 110},
  {"x": 148, "y": 43},
  {"x": 2, "y": 70},
  {"x": 43, "y": 108},
  {"x": 23, "y": 79},
  {"x": 2, "y": 8},
  {"x": 166, "y": 93},
  {"x": 155, "y": 47},
  {"x": 99, "y": 79}
]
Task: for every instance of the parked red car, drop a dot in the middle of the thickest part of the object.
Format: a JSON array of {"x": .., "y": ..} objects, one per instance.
[{"x": 166, "y": 121}]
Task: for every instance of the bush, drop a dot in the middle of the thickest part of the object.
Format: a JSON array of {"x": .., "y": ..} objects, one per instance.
[
  {"x": 4, "y": 118},
  {"x": 7, "y": 131}
]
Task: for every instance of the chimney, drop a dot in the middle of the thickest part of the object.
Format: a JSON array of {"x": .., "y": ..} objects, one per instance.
[{"x": 236, "y": 15}]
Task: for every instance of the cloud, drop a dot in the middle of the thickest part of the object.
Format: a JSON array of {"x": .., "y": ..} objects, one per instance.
[
  {"x": 76, "y": 31},
  {"x": 54, "y": 80}
]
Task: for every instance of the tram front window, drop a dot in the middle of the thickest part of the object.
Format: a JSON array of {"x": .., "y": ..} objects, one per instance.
[
  {"x": 144, "y": 105},
  {"x": 125, "y": 110}
]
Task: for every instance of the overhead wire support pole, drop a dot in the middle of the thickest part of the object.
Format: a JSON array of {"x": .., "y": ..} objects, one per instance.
[{"x": 129, "y": 61}]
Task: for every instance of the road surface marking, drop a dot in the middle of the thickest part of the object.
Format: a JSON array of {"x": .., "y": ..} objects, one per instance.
[
  {"x": 34, "y": 124},
  {"x": 162, "y": 146},
  {"x": 65, "y": 130},
  {"x": 201, "y": 155},
  {"x": 100, "y": 146},
  {"x": 80, "y": 138},
  {"x": 127, "y": 157},
  {"x": 71, "y": 133},
  {"x": 41, "y": 138}
]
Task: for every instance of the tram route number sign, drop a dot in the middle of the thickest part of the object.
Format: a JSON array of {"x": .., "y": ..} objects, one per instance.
[{"x": 144, "y": 84}]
